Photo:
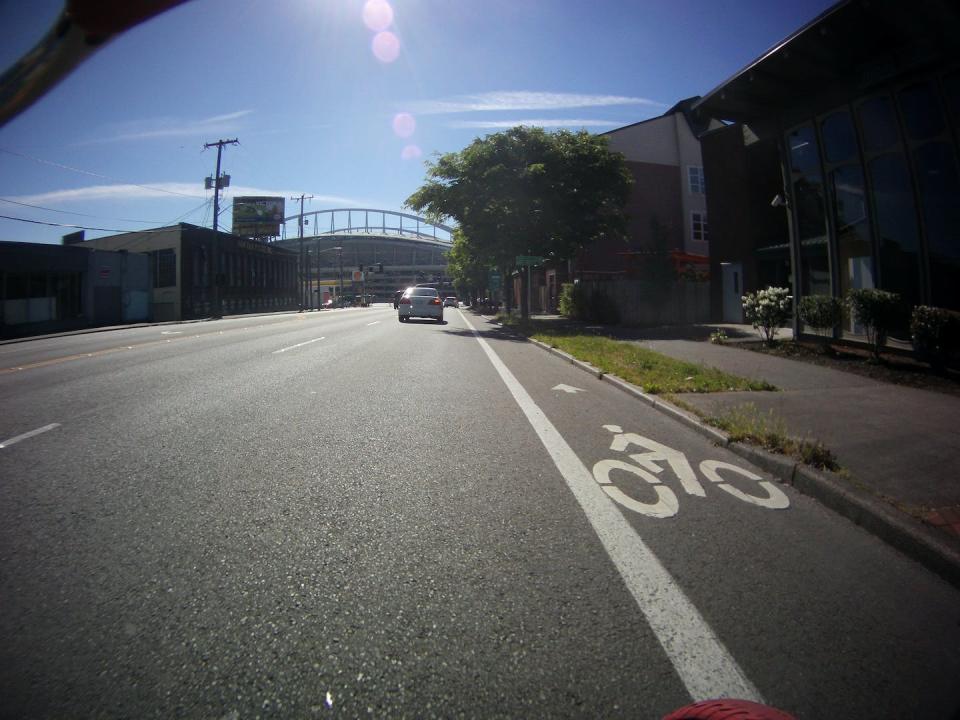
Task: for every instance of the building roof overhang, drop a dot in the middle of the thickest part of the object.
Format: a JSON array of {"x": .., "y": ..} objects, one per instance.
[{"x": 852, "y": 47}]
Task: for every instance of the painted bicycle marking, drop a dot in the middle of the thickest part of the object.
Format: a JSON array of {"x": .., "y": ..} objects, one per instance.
[{"x": 657, "y": 457}]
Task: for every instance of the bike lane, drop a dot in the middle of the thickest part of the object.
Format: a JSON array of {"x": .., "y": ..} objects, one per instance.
[{"x": 820, "y": 617}]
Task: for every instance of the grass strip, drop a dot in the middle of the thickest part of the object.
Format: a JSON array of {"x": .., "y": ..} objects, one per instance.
[
  {"x": 745, "y": 423},
  {"x": 654, "y": 372}
]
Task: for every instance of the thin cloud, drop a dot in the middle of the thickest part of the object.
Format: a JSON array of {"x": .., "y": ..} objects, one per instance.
[
  {"x": 170, "y": 127},
  {"x": 530, "y": 122},
  {"x": 522, "y": 100},
  {"x": 94, "y": 193}
]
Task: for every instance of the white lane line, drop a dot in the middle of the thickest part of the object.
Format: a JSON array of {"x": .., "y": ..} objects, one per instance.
[
  {"x": 373, "y": 323},
  {"x": 292, "y": 347},
  {"x": 18, "y": 438},
  {"x": 704, "y": 665}
]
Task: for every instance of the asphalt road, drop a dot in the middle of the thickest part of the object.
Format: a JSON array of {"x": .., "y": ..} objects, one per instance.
[{"x": 335, "y": 514}]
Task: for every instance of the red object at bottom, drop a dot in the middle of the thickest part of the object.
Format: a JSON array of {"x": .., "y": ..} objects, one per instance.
[{"x": 728, "y": 710}]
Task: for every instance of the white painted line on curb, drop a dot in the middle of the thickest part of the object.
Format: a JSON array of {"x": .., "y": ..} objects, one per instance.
[
  {"x": 704, "y": 665},
  {"x": 18, "y": 438},
  {"x": 292, "y": 347}
]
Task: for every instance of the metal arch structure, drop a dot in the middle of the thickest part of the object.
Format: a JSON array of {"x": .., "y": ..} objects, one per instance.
[{"x": 417, "y": 227}]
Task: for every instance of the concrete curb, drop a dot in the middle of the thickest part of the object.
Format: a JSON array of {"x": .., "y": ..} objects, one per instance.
[{"x": 931, "y": 548}]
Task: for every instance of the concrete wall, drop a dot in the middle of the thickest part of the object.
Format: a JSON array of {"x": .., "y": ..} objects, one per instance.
[{"x": 651, "y": 141}]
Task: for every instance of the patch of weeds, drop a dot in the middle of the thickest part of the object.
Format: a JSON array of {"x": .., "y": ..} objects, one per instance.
[
  {"x": 745, "y": 423},
  {"x": 718, "y": 337}
]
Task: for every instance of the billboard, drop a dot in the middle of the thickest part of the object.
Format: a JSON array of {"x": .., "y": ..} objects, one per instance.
[{"x": 257, "y": 216}]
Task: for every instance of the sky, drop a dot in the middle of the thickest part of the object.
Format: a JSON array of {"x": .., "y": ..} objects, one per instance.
[{"x": 344, "y": 100}]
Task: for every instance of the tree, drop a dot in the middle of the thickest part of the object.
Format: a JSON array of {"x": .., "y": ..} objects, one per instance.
[
  {"x": 525, "y": 191},
  {"x": 468, "y": 273}
]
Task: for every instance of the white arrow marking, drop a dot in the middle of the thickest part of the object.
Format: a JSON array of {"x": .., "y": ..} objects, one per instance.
[{"x": 568, "y": 389}]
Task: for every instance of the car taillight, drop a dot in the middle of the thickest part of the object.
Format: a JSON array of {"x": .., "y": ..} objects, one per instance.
[
  {"x": 404, "y": 301},
  {"x": 435, "y": 301}
]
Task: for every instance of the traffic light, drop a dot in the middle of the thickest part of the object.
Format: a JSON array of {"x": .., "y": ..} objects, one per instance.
[
  {"x": 380, "y": 267},
  {"x": 361, "y": 268}
]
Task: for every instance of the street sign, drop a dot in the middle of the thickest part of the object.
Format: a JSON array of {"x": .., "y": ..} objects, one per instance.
[
  {"x": 494, "y": 280},
  {"x": 529, "y": 260}
]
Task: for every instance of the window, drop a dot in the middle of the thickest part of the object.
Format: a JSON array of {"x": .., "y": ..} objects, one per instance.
[
  {"x": 698, "y": 183},
  {"x": 165, "y": 269},
  {"x": 699, "y": 226}
]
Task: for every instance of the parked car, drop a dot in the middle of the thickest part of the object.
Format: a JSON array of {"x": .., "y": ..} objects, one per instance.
[
  {"x": 420, "y": 302},
  {"x": 450, "y": 301}
]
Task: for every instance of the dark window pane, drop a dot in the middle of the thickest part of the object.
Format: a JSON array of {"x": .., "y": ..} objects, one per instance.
[
  {"x": 939, "y": 190},
  {"x": 897, "y": 230},
  {"x": 951, "y": 94},
  {"x": 921, "y": 111},
  {"x": 854, "y": 251},
  {"x": 810, "y": 211},
  {"x": 166, "y": 268},
  {"x": 802, "y": 144},
  {"x": 839, "y": 138},
  {"x": 879, "y": 124}
]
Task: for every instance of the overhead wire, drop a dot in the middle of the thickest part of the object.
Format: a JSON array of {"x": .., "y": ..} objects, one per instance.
[
  {"x": 74, "y": 212},
  {"x": 93, "y": 174}
]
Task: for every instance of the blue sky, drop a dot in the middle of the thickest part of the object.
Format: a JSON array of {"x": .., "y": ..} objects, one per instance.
[{"x": 119, "y": 143}]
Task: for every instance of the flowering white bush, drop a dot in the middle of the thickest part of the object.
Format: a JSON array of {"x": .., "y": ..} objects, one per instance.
[{"x": 767, "y": 310}]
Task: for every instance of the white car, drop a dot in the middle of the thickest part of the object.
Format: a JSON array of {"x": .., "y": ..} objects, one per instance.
[
  {"x": 420, "y": 302},
  {"x": 451, "y": 301}
]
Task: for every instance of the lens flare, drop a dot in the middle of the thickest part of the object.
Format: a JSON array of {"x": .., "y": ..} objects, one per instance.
[
  {"x": 377, "y": 15},
  {"x": 411, "y": 152},
  {"x": 404, "y": 124},
  {"x": 386, "y": 47}
]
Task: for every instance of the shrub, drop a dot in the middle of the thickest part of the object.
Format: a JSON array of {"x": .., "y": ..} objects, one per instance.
[
  {"x": 767, "y": 310},
  {"x": 718, "y": 336},
  {"x": 935, "y": 333},
  {"x": 572, "y": 301},
  {"x": 821, "y": 312},
  {"x": 878, "y": 311}
]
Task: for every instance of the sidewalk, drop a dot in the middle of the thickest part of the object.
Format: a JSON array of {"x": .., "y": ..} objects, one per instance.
[{"x": 899, "y": 444}]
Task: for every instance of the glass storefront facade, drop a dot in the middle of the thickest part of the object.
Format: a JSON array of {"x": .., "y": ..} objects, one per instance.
[{"x": 876, "y": 194}]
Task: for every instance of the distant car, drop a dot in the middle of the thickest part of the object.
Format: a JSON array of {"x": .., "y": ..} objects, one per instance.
[
  {"x": 450, "y": 301},
  {"x": 420, "y": 302}
]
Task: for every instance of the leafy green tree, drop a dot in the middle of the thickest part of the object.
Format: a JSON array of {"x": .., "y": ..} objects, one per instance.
[
  {"x": 525, "y": 191},
  {"x": 468, "y": 273}
]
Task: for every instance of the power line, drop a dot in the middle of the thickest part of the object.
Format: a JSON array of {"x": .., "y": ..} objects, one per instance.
[
  {"x": 77, "y": 227},
  {"x": 93, "y": 174},
  {"x": 74, "y": 212}
]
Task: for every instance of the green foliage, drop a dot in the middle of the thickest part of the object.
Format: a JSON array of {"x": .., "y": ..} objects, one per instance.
[
  {"x": 572, "y": 301},
  {"x": 935, "y": 333},
  {"x": 821, "y": 312},
  {"x": 654, "y": 372},
  {"x": 718, "y": 337},
  {"x": 878, "y": 311},
  {"x": 525, "y": 191},
  {"x": 596, "y": 306},
  {"x": 466, "y": 270},
  {"x": 745, "y": 423},
  {"x": 767, "y": 310}
]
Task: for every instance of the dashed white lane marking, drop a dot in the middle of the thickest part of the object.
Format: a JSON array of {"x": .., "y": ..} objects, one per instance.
[
  {"x": 377, "y": 322},
  {"x": 704, "y": 665},
  {"x": 292, "y": 347},
  {"x": 18, "y": 438}
]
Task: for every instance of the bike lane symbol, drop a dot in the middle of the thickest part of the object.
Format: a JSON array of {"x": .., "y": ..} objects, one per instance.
[{"x": 651, "y": 463}]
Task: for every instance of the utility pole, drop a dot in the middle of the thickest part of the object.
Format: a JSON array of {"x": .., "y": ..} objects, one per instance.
[
  {"x": 303, "y": 263},
  {"x": 217, "y": 182}
]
